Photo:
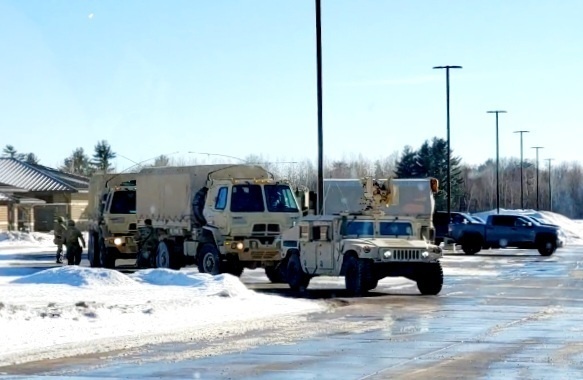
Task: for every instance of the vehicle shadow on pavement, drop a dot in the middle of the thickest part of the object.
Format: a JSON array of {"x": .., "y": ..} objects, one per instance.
[
  {"x": 41, "y": 256},
  {"x": 316, "y": 294}
]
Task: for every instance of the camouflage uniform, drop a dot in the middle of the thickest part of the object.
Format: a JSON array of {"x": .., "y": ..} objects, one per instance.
[
  {"x": 59, "y": 230},
  {"x": 147, "y": 240},
  {"x": 72, "y": 237}
]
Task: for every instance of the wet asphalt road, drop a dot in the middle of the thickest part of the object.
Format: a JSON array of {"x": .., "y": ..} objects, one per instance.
[{"x": 501, "y": 315}]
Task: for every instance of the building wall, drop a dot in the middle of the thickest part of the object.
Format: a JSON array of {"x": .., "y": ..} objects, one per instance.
[{"x": 3, "y": 217}]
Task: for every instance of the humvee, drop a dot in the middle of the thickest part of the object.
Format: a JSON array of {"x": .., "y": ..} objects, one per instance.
[{"x": 364, "y": 247}]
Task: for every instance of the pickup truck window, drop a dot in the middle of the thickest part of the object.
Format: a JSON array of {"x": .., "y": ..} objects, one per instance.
[
  {"x": 503, "y": 220},
  {"x": 395, "y": 229},
  {"x": 520, "y": 222}
]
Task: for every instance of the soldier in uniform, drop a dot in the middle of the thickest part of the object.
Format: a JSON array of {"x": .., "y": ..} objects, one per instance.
[
  {"x": 59, "y": 230},
  {"x": 72, "y": 237},
  {"x": 147, "y": 240}
]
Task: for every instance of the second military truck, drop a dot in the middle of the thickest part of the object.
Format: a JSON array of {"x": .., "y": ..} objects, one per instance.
[{"x": 221, "y": 218}]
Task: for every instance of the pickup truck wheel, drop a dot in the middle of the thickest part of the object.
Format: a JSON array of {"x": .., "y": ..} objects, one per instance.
[
  {"x": 358, "y": 277},
  {"x": 430, "y": 279},
  {"x": 471, "y": 248},
  {"x": 165, "y": 257},
  {"x": 209, "y": 260},
  {"x": 297, "y": 279},
  {"x": 547, "y": 247}
]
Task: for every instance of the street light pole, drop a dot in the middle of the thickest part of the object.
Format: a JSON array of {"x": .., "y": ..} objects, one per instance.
[
  {"x": 537, "y": 149},
  {"x": 550, "y": 188},
  {"x": 448, "y": 137},
  {"x": 521, "y": 169},
  {"x": 320, "y": 131},
  {"x": 497, "y": 162}
]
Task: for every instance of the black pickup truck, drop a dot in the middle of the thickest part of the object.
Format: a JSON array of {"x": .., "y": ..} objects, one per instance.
[{"x": 501, "y": 231}]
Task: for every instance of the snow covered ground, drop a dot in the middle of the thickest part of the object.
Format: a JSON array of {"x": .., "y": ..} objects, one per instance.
[{"x": 49, "y": 311}]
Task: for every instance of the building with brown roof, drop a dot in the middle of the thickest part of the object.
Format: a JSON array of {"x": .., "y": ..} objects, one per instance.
[{"x": 32, "y": 196}]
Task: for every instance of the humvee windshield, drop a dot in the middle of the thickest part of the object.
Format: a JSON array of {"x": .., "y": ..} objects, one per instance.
[
  {"x": 123, "y": 202},
  {"x": 366, "y": 228},
  {"x": 361, "y": 229},
  {"x": 280, "y": 198}
]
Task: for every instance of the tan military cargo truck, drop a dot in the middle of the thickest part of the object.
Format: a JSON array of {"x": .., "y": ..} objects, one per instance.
[
  {"x": 112, "y": 219},
  {"x": 364, "y": 246},
  {"x": 222, "y": 218}
]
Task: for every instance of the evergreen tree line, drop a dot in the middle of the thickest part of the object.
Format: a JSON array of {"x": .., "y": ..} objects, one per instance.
[{"x": 473, "y": 186}]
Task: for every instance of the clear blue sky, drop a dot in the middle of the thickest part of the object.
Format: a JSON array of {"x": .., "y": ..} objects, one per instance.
[{"x": 239, "y": 77}]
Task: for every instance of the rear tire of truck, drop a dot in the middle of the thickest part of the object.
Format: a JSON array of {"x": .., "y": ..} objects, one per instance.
[
  {"x": 93, "y": 251},
  {"x": 209, "y": 260},
  {"x": 166, "y": 257},
  {"x": 297, "y": 279},
  {"x": 430, "y": 279},
  {"x": 359, "y": 277},
  {"x": 105, "y": 258},
  {"x": 546, "y": 246}
]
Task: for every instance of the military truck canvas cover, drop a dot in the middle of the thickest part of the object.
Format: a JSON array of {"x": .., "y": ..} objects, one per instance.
[
  {"x": 411, "y": 197},
  {"x": 97, "y": 185},
  {"x": 165, "y": 194}
]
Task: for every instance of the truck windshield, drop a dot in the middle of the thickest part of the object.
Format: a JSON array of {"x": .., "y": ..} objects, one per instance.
[
  {"x": 247, "y": 198},
  {"x": 123, "y": 202},
  {"x": 360, "y": 229},
  {"x": 280, "y": 198},
  {"x": 395, "y": 229}
]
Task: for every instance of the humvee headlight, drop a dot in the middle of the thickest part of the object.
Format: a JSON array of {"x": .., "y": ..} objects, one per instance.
[
  {"x": 366, "y": 249},
  {"x": 237, "y": 245},
  {"x": 117, "y": 241},
  {"x": 425, "y": 254},
  {"x": 387, "y": 254}
]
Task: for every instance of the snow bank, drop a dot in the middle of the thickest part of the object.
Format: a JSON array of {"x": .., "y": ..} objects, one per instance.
[
  {"x": 572, "y": 229},
  {"x": 16, "y": 238},
  {"x": 74, "y": 310}
]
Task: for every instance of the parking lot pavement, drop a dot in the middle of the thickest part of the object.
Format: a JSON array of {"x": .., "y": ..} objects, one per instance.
[{"x": 501, "y": 314}]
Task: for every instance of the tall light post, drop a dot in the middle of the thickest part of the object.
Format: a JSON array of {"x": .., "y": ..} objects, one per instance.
[
  {"x": 521, "y": 169},
  {"x": 550, "y": 188},
  {"x": 497, "y": 162},
  {"x": 537, "y": 149},
  {"x": 448, "y": 137},
  {"x": 320, "y": 130}
]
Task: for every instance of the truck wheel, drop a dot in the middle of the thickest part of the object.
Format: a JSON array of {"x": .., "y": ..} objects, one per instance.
[
  {"x": 547, "y": 246},
  {"x": 209, "y": 260},
  {"x": 165, "y": 257},
  {"x": 297, "y": 279},
  {"x": 276, "y": 273},
  {"x": 358, "y": 278},
  {"x": 106, "y": 260},
  {"x": 233, "y": 266},
  {"x": 93, "y": 251},
  {"x": 430, "y": 278}
]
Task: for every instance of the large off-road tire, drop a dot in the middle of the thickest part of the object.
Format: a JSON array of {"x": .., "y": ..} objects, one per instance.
[
  {"x": 232, "y": 266},
  {"x": 297, "y": 279},
  {"x": 359, "y": 277},
  {"x": 429, "y": 278},
  {"x": 93, "y": 251},
  {"x": 276, "y": 273},
  {"x": 166, "y": 257},
  {"x": 105, "y": 258},
  {"x": 546, "y": 246},
  {"x": 209, "y": 260}
]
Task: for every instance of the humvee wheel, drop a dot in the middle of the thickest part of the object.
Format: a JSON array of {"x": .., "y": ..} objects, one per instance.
[
  {"x": 165, "y": 258},
  {"x": 297, "y": 279},
  {"x": 358, "y": 278},
  {"x": 430, "y": 278},
  {"x": 275, "y": 274},
  {"x": 105, "y": 259},
  {"x": 233, "y": 266},
  {"x": 209, "y": 260},
  {"x": 93, "y": 252}
]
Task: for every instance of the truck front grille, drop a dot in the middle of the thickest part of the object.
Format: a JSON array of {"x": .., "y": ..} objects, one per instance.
[{"x": 406, "y": 254}]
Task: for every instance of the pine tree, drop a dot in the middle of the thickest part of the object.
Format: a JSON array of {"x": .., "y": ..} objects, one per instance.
[
  {"x": 103, "y": 156},
  {"x": 78, "y": 163}
]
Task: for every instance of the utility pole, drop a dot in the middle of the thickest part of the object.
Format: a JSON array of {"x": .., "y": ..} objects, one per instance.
[
  {"x": 550, "y": 188},
  {"x": 537, "y": 149},
  {"x": 448, "y": 137},
  {"x": 320, "y": 198},
  {"x": 521, "y": 169},
  {"x": 497, "y": 163}
]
